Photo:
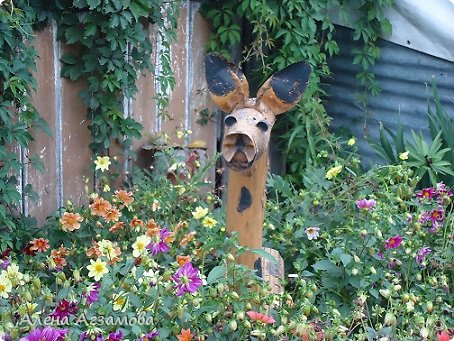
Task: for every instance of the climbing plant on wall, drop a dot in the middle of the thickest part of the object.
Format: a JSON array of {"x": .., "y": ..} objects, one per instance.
[
  {"x": 112, "y": 47},
  {"x": 274, "y": 33},
  {"x": 109, "y": 45},
  {"x": 17, "y": 114}
]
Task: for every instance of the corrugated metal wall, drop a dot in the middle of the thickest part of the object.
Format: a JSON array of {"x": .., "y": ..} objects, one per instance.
[
  {"x": 66, "y": 154},
  {"x": 404, "y": 75}
]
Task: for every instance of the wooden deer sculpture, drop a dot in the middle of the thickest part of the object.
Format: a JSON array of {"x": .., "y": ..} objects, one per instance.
[{"x": 247, "y": 130}]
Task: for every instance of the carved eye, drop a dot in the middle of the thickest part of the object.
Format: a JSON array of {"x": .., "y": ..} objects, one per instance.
[
  {"x": 263, "y": 126},
  {"x": 230, "y": 121}
]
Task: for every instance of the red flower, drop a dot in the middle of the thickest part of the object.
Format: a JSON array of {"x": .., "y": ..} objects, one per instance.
[
  {"x": 393, "y": 242},
  {"x": 443, "y": 336},
  {"x": 256, "y": 316}
]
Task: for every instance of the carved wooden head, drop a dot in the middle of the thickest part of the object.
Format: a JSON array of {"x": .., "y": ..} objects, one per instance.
[{"x": 249, "y": 120}]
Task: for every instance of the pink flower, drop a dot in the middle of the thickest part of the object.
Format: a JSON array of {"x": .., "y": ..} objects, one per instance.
[
  {"x": 436, "y": 215},
  {"x": 159, "y": 242},
  {"x": 92, "y": 293},
  {"x": 256, "y": 316},
  {"x": 187, "y": 279},
  {"x": 422, "y": 252},
  {"x": 117, "y": 336},
  {"x": 46, "y": 334},
  {"x": 443, "y": 336},
  {"x": 427, "y": 193},
  {"x": 63, "y": 309},
  {"x": 393, "y": 242},
  {"x": 366, "y": 204}
]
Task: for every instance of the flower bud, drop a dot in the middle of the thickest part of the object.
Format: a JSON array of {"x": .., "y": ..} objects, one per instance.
[
  {"x": 424, "y": 332},
  {"x": 240, "y": 315},
  {"x": 372, "y": 270},
  {"x": 390, "y": 320},
  {"x": 247, "y": 324},
  {"x": 230, "y": 257},
  {"x": 209, "y": 318},
  {"x": 355, "y": 271},
  {"x": 385, "y": 293},
  {"x": 410, "y": 306},
  {"x": 233, "y": 325}
]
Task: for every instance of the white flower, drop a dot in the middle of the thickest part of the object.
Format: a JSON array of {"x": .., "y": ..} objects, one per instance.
[
  {"x": 312, "y": 232},
  {"x": 140, "y": 245}
]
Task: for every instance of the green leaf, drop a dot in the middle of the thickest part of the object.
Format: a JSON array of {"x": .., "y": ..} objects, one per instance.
[
  {"x": 264, "y": 254},
  {"x": 345, "y": 259},
  {"x": 216, "y": 273},
  {"x": 93, "y": 3}
]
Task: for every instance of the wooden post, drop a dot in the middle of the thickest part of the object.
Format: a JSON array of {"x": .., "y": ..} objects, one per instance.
[
  {"x": 245, "y": 208},
  {"x": 246, "y": 136}
]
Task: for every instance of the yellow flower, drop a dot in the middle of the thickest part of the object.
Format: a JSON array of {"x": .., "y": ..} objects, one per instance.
[
  {"x": 120, "y": 301},
  {"x": 140, "y": 245},
  {"x": 13, "y": 273},
  {"x": 102, "y": 163},
  {"x": 333, "y": 172},
  {"x": 209, "y": 222},
  {"x": 351, "y": 142},
  {"x": 97, "y": 269},
  {"x": 403, "y": 156},
  {"x": 5, "y": 285},
  {"x": 107, "y": 248},
  {"x": 200, "y": 212}
]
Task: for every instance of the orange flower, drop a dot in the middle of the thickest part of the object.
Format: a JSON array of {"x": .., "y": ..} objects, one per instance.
[
  {"x": 255, "y": 316},
  {"x": 117, "y": 226},
  {"x": 180, "y": 225},
  {"x": 70, "y": 221},
  {"x": 94, "y": 251},
  {"x": 59, "y": 262},
  {"x": 136, "y": 222},
  {"x": 185, "y": 335},
  {"x": 124, "y": 196},
  {"x": 186, "y": 239},
  {"x": 39, "y": 244},
  {"x": 60, "y": 252},
  {"x": 182, "y": 260},
  {"x": 151, "y": 224},
  {"x": 100, "y": 206},
  {"x": 112, "y": 214},
  {"x": 170, "y": 238}
]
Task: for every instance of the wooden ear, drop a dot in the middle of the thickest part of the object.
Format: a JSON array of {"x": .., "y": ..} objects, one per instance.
[
  {"x": 285, "y": 88},
  {"x": 226, "y": 83}
]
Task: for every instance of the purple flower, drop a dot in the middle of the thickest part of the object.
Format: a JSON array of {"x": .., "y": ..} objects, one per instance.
[
  {"x": 443, "y": 190},
  {"x": 46, "y": 334},
  {"x": 366, "y": 204},
  {"x": 87, "y": 336},
  {"x": 5, "y": 263},
  {"x": 149, "y": 337},
  {"x": 187, "y": 279},
  {"x": 92, "y": 293},
  {"x": 63, "y": 309},
  {"x": 422, "y": 253},
  {"x": 380, "y": 255},
  {"x": 393, "y": 242},
  {"x": 436, "y": 215},
  {"x": 435, "y": 226},
  {"x": 159, "y": 242},
  {"x": 427, "y": 193},
  {"x": 117, "y": 336}
]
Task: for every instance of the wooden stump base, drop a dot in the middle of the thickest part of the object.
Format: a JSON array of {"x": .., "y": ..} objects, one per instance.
[{"x": 271, "y": 272}]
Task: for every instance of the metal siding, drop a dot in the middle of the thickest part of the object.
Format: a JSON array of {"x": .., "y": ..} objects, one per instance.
[{"x": 405, "y": 77}]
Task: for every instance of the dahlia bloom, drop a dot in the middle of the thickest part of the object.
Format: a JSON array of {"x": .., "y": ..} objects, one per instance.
[
  {"x": 393, "y": 242},
  {"x": 366, "y": 204},
  {"x": 187, "y": 279},
  {"x": 46, "y": 334}
]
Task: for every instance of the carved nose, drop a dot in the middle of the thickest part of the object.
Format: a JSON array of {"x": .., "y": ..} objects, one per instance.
[{"x": 238, "y": 143}]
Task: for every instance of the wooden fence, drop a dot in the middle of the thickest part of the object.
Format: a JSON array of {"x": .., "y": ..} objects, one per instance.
[{"x": 66, "y": 155}]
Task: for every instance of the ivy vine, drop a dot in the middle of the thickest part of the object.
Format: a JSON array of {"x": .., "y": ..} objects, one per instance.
[
  {"x": 112, "y": 46},
  {"x": 272, "y": 34},
  {"x": 17, "y": 114}
]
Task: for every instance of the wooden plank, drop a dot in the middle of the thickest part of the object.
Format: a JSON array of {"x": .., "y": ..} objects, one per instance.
[
  {"x": 143, "y": 109},
  {"x": 76, "y": 137},
  {"x": 44, "y": 145},
  {"x": 200, "y": 98},
  {"x": 176, "y": 120}
]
